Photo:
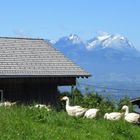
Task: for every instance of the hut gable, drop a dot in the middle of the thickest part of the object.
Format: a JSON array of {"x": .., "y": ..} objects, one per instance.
[{"x": 34, "y": 57}]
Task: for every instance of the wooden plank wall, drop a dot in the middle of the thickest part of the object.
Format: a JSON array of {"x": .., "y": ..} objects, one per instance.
[{"x": 29, "y": 90}]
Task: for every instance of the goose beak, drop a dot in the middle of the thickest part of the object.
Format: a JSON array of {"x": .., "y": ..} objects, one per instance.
[{"x": 123, "y": 109}]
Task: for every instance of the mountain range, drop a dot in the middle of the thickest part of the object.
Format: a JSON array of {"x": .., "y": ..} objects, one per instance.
[{"x": 108, "y": 57}]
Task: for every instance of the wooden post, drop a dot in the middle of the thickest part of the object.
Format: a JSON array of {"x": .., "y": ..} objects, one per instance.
[
  {"x": 72, "y": 93},
  {"x": 1, "y": 93}
]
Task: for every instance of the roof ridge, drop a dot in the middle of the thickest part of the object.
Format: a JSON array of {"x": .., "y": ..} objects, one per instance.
[{"x": 26, "y": 38}]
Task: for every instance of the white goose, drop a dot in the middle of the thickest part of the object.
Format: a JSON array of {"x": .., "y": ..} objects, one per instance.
[
  {"x": 91, "y": 113},
  {"x": 40, "y": 106},
  {"x": 131, "y": 117},
  {"x": 73, "y": 110},
  {"x": 7, "y": 104},
  {"x": 113, "y": 116}
]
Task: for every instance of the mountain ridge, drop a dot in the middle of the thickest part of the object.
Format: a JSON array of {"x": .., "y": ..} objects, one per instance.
[{"x": 110, "y": 57}]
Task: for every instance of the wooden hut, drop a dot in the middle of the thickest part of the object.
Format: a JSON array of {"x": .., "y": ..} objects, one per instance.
[
  {"x": 31, "y": 70},
  {"x": 136, "y": 101}
]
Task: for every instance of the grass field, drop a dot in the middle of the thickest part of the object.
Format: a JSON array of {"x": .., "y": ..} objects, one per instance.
[{"x": 22, "y": 123}]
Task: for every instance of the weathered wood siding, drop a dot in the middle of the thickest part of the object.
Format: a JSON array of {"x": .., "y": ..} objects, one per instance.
[{"x": 28, "y": 90}]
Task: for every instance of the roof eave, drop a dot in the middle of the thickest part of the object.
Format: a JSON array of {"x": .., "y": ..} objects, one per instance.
[{"x": 46, "y": 76}]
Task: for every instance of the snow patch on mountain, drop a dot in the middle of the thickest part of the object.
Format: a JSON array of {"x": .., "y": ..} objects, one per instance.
[
  {"x": 52, "y": 41},
  {"x": 75, "y": 39}
]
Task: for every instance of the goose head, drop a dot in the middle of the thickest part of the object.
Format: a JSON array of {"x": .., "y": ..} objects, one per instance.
[
  {"x": 105, "y": 116},
  {"x": 65, "y": 98},
  {"x": 125, "y": 107}
]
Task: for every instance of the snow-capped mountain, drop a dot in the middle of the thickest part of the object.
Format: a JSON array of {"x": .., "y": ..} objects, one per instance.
[
  {"x": 108, "y": 57},
  {"x": 102, "y": 41},
  {"x": 70, "y": 46},
  {"x": 72, "y": 39},
  {"x": 106, "y": 40}
]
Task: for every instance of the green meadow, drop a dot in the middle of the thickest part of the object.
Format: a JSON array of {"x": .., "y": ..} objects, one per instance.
[{"x": 23, "y": 123}]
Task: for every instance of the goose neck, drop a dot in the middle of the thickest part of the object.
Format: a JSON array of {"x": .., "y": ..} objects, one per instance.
[
  {"x": 67, "y": 102},
  {"x": 126, "y": 111}
]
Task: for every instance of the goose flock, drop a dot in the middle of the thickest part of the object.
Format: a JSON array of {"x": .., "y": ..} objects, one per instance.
[
  {"x": 79, "y": 111},
  {"x": 91, "y": 113}
]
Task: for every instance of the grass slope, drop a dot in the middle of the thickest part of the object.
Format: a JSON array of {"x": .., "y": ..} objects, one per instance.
[{"x": 22, "y": 123}]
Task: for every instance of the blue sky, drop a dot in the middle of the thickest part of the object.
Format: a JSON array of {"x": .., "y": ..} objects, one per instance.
[{"x": 56, "y": 18}]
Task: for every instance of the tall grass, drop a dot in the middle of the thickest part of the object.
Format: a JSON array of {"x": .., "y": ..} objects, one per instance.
[{"x": 23, "y": 123}]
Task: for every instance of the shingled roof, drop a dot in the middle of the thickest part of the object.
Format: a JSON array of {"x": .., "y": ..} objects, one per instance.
[{"x": 34, "y": 57}]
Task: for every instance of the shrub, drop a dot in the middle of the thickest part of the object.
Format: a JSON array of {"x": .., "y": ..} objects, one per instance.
[{"x": 125, "y": 101}]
